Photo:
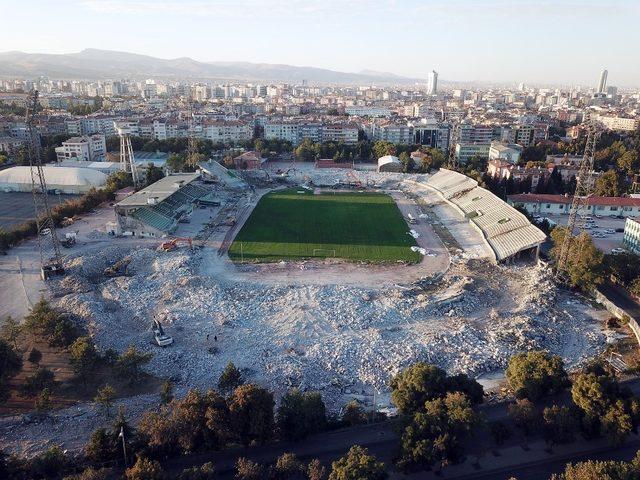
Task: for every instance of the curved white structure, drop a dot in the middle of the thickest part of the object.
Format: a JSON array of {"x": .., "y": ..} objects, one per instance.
[{"x": 70, "y": 180}]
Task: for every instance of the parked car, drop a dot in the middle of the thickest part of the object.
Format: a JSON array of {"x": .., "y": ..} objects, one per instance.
[
  {"x": 619, "y": 230},
  {"x": 617, "y": 251}
]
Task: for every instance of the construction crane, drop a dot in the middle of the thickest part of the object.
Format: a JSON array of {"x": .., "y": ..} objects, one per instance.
[
  {"x": 48, "y": 243},
  {"x": 580, "y": 201}
]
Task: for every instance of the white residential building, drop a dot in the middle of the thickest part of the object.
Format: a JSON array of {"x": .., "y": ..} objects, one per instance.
[
  {"x": 631, "y": 238},
  {"x": 90, "y": 148},
  {"x": 227, "y": 131},
  {"x": 507, "y": 152}
]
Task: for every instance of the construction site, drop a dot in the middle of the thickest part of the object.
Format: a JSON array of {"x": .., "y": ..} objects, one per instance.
[{"x": 152, "y": 270}]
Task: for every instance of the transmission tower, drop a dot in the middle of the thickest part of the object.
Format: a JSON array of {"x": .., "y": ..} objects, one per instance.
[
  {"x": 48, "y": 243},
  {"x": 192, "y": 145},
  {"x": 580, "y": 201},
  {"x": 452, "y": 161},
  {"x": 127, "y": 158}
]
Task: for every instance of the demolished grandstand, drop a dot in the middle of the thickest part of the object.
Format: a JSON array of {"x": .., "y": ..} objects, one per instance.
[
  {"x": 156, "y": 210},
  {"x": 507, "y": 231}
]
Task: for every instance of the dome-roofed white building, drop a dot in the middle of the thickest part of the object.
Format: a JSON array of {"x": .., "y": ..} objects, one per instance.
[
  {"x": 389, "y": 163},
  {"x": 70, "y": 180}
]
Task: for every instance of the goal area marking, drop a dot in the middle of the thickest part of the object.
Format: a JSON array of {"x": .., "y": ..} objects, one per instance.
[{"x": 316, "y": 250}]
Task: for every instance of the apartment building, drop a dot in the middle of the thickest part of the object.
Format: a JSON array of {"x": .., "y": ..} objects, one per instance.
[
  {"x": 390, "y": 132},
  {"x": 346, "y": 133},
  {"x": 619, "y": 124},
  {"x": 502, "y": 151},
  {"x": 466, "y": 151},
  {"x": 89, "y": 148},
  {"x": 227, "y": 132},
  {"x": 631, "y": 238},
  {"x": 281, "y": 131}
]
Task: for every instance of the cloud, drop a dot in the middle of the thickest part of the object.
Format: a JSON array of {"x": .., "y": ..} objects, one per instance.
[{"x": 232, "y": 9}]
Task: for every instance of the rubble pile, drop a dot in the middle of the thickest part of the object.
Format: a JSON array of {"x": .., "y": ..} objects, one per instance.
[{"x": 331, "y": 338}]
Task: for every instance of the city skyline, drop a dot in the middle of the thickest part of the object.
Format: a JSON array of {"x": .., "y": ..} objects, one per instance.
[{"x": 524, "y": 41}]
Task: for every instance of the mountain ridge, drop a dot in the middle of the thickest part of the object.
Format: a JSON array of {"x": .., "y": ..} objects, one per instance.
[{"x": 94, "y": 64}]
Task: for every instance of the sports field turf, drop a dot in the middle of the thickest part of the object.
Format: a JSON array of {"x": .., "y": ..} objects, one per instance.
[{"x": 288, "y": 225}]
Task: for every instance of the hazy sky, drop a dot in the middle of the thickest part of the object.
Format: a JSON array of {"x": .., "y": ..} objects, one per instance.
[{"x": 542, "y": 41}]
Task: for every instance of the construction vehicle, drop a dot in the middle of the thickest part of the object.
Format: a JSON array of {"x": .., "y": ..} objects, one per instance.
[
  {"x": 118, "y": 269},
  {"x": 162, "y": 339},
  {"x": 174, "y": 243},
  {"x": 69, "y": 239}
]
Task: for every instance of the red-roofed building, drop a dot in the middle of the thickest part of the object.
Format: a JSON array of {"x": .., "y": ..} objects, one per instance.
[
  {"x": 249, "y": 161},
  {"x": 561, "y": 204}
]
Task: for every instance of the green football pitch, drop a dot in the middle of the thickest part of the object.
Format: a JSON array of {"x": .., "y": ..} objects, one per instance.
[{"x": 295, "y": 224}]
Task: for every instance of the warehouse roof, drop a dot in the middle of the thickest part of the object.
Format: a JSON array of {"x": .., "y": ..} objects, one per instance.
[{"x": 61, "y": 176}]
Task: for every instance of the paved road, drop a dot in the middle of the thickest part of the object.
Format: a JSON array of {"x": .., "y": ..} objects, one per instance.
[{"x": 621, "y": 299}]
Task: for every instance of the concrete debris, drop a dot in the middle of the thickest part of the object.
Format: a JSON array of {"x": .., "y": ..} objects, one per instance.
[{"x": 328, "y": 338}]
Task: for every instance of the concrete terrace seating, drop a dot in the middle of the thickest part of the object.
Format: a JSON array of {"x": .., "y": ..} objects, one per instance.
[
  {"x": 506, "y": 230},
  {"x": 155, "y": 219}
]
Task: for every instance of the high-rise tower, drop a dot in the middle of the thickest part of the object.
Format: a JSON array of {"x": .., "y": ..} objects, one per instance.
[
  {"x": 432, "y": 83},
  {"x": 602, "y": 84}
]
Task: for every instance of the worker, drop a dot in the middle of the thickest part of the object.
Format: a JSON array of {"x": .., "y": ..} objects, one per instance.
[
  {"x": 215, "y": 338},
  {"x": 207, "y": 337}
]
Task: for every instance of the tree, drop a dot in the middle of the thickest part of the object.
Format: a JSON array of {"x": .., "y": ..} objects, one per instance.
[
  {"x": 35, "y": 356},
  {"x": 301, "y": 414},
  {"x": 104, "y": 398},
  {"x": 407, "y": 162},
  {"x": 598, "y": 470},
  {"x": 358, "y": 464},
  {"x": 203, "y": 472},
  {"x": 248, "y": 470},
  {"x": 49, "y": 464},
  {"x": 421, "y": 382},
  {"x": 42, "y": 402},
  {"x": 230, "y": 379},
  {"x": 560, "y": 424},
  {"x": 251, "y": 409},
  {"x": 287, "y": 467},
  {"x": 617, "y": 423},
  {"x": 91, "y": 473},
  {"x": 10, "y": 361},
  {"x": 523, "y": 414},
  {"x": 436, "y": 433},
  {"x": 10, "y": 331},
  {"x": 100, "y": 447},
  {"x": 36, "y": 382},
  {"x": 315, "y": 470},
  {"x": 153, "y": 174},
  {"x": 535, "y": 374},
  {"x": 499, "y": 432},
  {"x": 353, "y": 414},
  {"x": 145, "y": 469},
  {"x": 382, "y": 148},
  {"x": 584, "y": 262},
  {"x": 608, "y": 185},
  {"x": 130, "y": 363},
  {"x": 83, "y": 357},
  {"x": 417, "y": 384},
  {"x": 166, "y": 391}
]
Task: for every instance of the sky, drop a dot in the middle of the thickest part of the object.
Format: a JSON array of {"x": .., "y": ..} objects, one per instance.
[{"x": 533, "y": 41}]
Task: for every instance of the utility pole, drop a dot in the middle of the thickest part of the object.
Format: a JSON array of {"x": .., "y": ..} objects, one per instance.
[
  {"x": 48, "y": 243},
  {"x": 124, "y": 447},
  {"x": 454, "y": 138},
  {"x": 580, "y": 201}
]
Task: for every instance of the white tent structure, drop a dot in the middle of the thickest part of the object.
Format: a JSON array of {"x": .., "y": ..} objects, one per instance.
[{"x": 69, "y": 180}]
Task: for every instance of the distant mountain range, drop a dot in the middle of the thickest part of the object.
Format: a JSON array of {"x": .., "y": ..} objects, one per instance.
[{"x": 92, "y": 64}]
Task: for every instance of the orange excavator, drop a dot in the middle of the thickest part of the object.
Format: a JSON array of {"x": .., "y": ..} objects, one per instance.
[{"x": 174, "y": 243}]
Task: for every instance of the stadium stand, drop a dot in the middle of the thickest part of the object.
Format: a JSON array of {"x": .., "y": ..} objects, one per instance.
[
  {"x": 506, "y": 230},
  {"x": 155, "y": 210}
]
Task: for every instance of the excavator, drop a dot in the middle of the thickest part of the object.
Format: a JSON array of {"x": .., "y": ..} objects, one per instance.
[
  {"x": 162, "y": 339},
  {"x": 118, "y": 269},
  {"x": 174, "y": 243}
]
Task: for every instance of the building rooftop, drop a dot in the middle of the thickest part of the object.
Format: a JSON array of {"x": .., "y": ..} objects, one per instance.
[
  {"x": 159, "y": 191},
  {"x": 548, "y": 198}
]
